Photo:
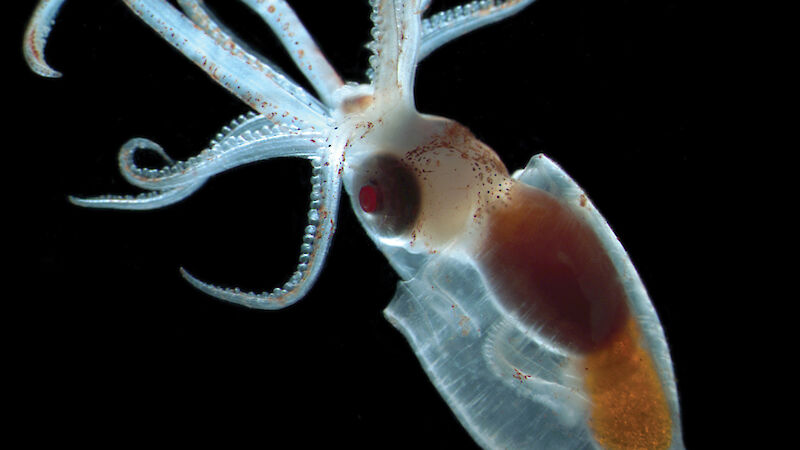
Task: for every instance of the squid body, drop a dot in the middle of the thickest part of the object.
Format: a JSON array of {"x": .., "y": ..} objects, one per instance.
[{"x": 520, "y": 303}]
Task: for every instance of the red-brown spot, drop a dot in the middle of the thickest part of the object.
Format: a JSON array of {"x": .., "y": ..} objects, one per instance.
[{"x": 520, "y": 376}]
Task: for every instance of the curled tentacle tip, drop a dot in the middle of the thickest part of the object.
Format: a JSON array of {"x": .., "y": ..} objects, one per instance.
[
  {"x": 36, "y": 37},
  {"x": 33, "y": 50},
  {"x": 40, "y": 67}
]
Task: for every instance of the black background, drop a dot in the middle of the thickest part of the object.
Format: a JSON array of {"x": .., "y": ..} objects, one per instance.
[{"x": 111, "y": 345}]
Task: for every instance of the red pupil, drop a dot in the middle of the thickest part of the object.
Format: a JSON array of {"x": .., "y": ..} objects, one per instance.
[{"x": 368, "y": 198}]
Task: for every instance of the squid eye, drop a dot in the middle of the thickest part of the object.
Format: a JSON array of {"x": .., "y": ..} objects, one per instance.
[{"x": 388, "y": 195}]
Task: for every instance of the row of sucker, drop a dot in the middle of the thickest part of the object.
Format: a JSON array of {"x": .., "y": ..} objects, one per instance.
[
  {"x": 461, "y": 12},
  {"x": 374, "y": 45},
  {"x": 143, "y": 201},
  {"x": 435, "y": 23},
  {"x": 146, "y": 200},
  {"x": 444, "y": 26},
  {"x": 309, "y": 233},
  {"x": 240, "y": 142},
  {"x": 233, "y": 146},
  {"x": 279, "y": 297}
]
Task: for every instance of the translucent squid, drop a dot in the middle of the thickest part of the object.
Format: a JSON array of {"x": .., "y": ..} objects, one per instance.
[{"x": 520, "y": 303}]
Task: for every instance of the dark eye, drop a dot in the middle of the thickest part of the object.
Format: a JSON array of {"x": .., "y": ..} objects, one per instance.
[{"x": 388, "y": 195}]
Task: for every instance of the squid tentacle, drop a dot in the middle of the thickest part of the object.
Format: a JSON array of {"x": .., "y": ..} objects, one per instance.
[
  {"x": 257, "y": 83},
  {"x": 146, "y": 200},
  {"x": 325, "y": 193},
  {"x": 200, "y": 15},
  {"x": 197, "y": 11},
  {"x": 297, "y": 41},
  {"x": 302, "y": 48},
  {"x": 395, "y": 32},
  {"x": 241, "y": 124},
  {"x": 141, "y": 202},
  {"x": 36, "y": 33},
  {"x": 246, "y": 139},
  {"x": 262, "y": 88},
  {"x": 445, "y": 26},
  {"x": 235, "y": 150}
]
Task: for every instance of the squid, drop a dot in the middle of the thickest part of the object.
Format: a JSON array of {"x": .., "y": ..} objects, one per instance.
[{"x": 520, "y": 303}]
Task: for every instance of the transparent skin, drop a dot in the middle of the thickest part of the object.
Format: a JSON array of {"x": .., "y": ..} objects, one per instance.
[
  {"x": 519, "y": 271},
  {"x": 517, "y": 298}
]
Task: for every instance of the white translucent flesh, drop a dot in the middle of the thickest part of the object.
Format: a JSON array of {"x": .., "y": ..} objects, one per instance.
[
  {"x": 247, "y": 140},
  {"x": 292, "y": 124},
  {"x": 258, "y": 85},
  {"x": 506, "y": 389},
  {"x": 395, "y": 45},
  {"x": 300, "y": 45},
  {"x": 325, "y": 193},
  {"x": 141, "y": 202},
  {"x": 445, "y": 26},
  {"x": 203, "y": 18},
  {"x": 36, "y": 37}
]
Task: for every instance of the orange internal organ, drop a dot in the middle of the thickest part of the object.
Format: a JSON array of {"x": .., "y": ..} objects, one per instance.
[{"x": 628, "y": 406}]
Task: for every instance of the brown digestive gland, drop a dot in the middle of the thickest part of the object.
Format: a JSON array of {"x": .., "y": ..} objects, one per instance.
[{"x": 549, "y": 268}]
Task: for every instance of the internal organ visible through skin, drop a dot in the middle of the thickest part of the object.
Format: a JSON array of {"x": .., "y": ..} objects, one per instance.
[
  {"x": 548, "y": 268},
  {"x": 543, "y": 261}
]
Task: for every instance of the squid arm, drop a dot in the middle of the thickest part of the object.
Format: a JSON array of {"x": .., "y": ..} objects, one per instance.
[{"x": 444, "y": 26}]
